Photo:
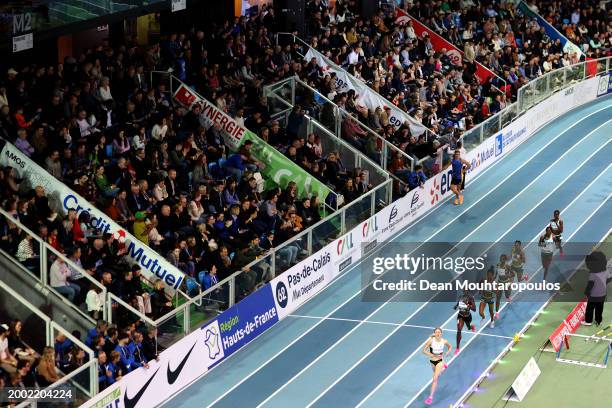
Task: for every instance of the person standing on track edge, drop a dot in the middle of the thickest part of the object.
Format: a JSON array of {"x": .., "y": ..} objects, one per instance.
[
  {"x": 556, "y": 224},
  {"x": 465, "y": 305},
  {"x": 434, "y": 349},
  {"x": 597, "y": 287},
  {"x": 457, "y": 165}
]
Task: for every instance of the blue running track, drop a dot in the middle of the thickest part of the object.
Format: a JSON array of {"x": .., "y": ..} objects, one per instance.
[{"x": 338, "y": 351}]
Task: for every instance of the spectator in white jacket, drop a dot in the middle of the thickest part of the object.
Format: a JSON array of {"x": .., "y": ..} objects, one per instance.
[{"x": 58, "y": 276}]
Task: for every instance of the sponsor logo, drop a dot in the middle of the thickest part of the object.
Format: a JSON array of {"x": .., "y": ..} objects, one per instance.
[
  {"x": 212, "y": 341},
  {"x": 402, "y": 19},
  {"x": 14, "y": 157},
  {"x": 131, "y": 402},
  {"x": 174, "y": 374},
  {"x": 415, "y": 199},
  {"x": 317, "y": 263},
  {"x": 111, "y": 400},
  {"x": 454, "y": 56},
  {"x": 369, "y": 228},
  {"x": 499, "y": 144},
  {"x": 345, "y": 244},
  {"x": 416, "y": 203},
  {"x": 152, "y": 265},
  {"x": 434, "y": 192},
  {"x": 392, "y": 214},
  {"x": 605, "y": 85},
  {"x": 281, "y": 294},
  {"x": 569, "y": 91}
]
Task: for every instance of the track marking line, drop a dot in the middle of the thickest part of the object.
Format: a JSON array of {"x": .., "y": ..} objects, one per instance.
[
  {"x": 506, "y": 303},
  {"x": 504, "y": 233},
  {"x": 530, "y": 243},
  {"x": 402, "y": 232}
]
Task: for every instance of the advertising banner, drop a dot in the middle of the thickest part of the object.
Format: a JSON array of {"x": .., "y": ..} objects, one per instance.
[
  {"x": 454, "y": 54},
  {"x": 278, "y": 170},
  {"x": 567, "y": 326},
  {"x": 551, "y": 31},
  {"x": 366, "y": 96},
  {"x": 193, "y": 355},
  {"x": 62, "y": 199},
  {"x": 201, "y": 350},
  {"x": 604, "y": 85}
]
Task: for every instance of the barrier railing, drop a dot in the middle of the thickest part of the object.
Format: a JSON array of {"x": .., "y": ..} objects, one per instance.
[
  {"x": 533, "y": 93},
  {"x": 83, "y": 380},
  {"x": 337, "y": 255},
  {"x": 429, "y": 134},
  {"x": 331, "y": 116},
  {"x": 39, "y": 265}
]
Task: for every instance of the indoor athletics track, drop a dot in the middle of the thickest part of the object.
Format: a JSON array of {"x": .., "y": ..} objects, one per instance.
[{"x": 338, "y": 351}]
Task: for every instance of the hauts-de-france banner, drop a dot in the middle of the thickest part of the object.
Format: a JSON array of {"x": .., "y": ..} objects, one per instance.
[
  {"x": 279, "y": 170},
  {"x": 366, "y": 96},
  {"x": 62, "y": 199},
  {"x": 568, "y": 46},
  {"x": 439, "y": 43}
]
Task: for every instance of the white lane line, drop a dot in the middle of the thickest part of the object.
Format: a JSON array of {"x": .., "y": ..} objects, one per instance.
[
  {"x": 401, "y": 232},
  {"x": 504, "y": 233},
  {"x": 506, "y": 303},
  {"x": 535, "y": 238},
  {"x": 416, "y": 326},
  {"x": 523, "y": 330}
]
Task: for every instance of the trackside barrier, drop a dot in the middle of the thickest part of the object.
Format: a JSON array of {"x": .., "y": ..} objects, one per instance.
[
  {"x": 201, "y": 350},
  {"x": 62, "y": 199}
]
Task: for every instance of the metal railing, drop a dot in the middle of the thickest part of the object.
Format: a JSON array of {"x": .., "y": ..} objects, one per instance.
[
  {"x": 84, "y": 380},
  {"x": 531, "y": 94},
  {"x": 430, "y": 134},
  {"x": 284, "y": 92}
]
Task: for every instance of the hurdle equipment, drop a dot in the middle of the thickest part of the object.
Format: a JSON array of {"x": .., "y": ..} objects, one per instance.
[{"x": 584, "y": 353}]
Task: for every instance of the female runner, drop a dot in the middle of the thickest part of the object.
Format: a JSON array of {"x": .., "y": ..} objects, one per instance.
[
  {"x": 547, "y": 245},
  {"x": 518, "y": 261},
  {"x": 465, "y": 305},
  {"x": 556, "y": 224},
  {"x": 434, "y": 349},
  {"x": 458, "y": 164},
  {"x": 504, "y": 275},
  {"x": 488, "y": 298}
]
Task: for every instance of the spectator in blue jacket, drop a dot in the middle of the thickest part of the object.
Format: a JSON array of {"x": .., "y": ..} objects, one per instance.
[
  {"x": 104, "y": 375},
  {"x": 135, "y": 347},
  {"x": 100, "y": 329},
  {"x": 417, "y": 177},
  {"x": 113, "y": 368},
  {"x": 234, "y": 165},
  {"x": 126, "y": 356}
]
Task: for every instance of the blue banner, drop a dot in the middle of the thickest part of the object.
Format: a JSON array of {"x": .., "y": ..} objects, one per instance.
[
  {"x": 568, "y": 46},
  {"x": 246, "y": 320}
]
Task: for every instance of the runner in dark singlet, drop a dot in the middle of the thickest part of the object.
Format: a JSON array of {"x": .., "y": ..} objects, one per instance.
[
  {"x": 464, "y": 306},
  {"x": 457, "y": 166}
]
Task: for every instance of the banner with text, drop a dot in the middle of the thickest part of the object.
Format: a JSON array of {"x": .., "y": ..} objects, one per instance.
[
  {"x": 279, "y": 170},
  {"x": 61, "y": 199}
]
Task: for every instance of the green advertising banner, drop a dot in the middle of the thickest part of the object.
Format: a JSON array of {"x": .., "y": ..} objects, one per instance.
[{"x": 278, "y": 169}]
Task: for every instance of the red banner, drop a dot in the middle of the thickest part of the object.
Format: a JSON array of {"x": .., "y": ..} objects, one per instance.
[
  {"x": 185, "y": 96},
  {"x": 454, "y": 54},
  {"x": 568, "y": 326}
]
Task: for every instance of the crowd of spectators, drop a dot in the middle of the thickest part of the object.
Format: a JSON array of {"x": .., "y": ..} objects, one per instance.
[
  {"x": 447, "y": 98},
  {"x": 21, "y": 366}
]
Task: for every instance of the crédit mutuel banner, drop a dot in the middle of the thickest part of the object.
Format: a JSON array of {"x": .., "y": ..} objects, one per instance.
[
  {"x": 279, "y": 170},
  {"x": 61, "y": 199}
]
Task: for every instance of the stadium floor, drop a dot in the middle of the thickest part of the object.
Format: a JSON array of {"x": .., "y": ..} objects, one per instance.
[{"x": 338, "y": 351}]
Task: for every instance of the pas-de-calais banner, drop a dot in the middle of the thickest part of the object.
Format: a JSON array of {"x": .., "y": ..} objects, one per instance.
[
  {"x": 279, "y": 170},
  {"x": 193, "y": 356},
  {"x": 454, "y": 54},
  {"x": 568, "y": 46},
  {"x": 367, "y": 96},
  {"x": 61, "y": 199}
]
